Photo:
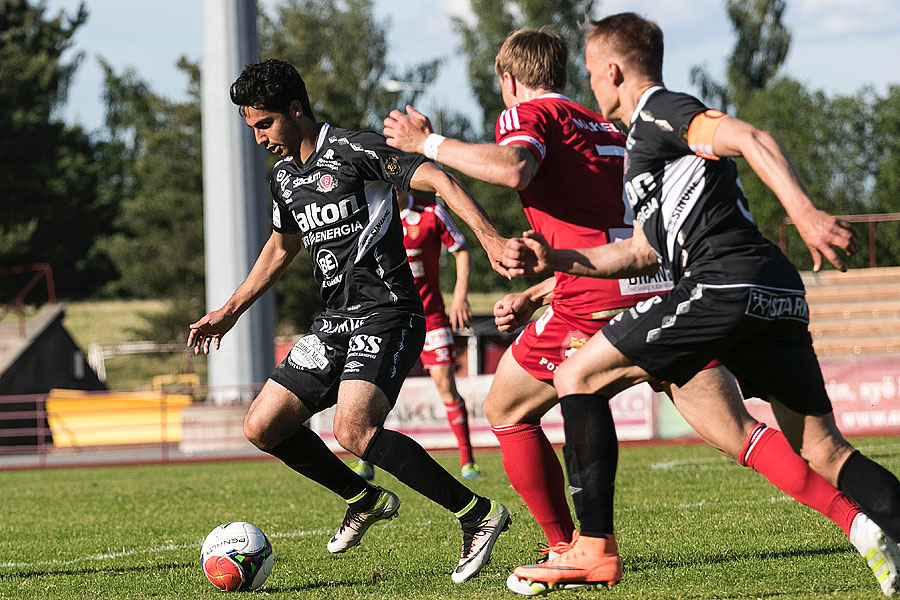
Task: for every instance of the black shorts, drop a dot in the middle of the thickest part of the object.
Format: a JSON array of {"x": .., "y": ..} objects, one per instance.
[
  {"x": 380, "y": 347},
  {"x": 760, "y": 334}
]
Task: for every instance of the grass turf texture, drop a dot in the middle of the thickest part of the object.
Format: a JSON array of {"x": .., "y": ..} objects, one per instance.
[{"x": 691, "y": 524}]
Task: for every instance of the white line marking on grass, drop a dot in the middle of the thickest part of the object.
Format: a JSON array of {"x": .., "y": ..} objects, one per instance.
[
  {"x": 712, "y": 503},
  {"x": 123, "y": 553},
  {"x": 679, "y": 463},
  {"x": 702, "y": 503}
]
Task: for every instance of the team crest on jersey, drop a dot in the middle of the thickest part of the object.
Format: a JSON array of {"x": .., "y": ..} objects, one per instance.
[
  {"x": 392, "y": 166},
  {"x": 576, "y": 341},
  {"x": 327, "y": 182},
  {"x": 412, "y": 231}
]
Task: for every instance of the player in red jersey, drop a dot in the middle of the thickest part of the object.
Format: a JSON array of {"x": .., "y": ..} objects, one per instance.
[
  {"x": 736, "y": 297},
  {"x": 427, "y": 227},
  {"x": 566, "y": 163}
]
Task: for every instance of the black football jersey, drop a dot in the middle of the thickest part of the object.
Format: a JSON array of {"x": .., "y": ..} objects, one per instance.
[
  {"x": 691, "y": 207},
  {"x": 341, "y": 201}
]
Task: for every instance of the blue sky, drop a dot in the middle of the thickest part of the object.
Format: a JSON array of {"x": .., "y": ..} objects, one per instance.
[{"x": 838, "y": 45}]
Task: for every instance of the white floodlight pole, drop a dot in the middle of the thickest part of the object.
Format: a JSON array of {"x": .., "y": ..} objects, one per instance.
[
  {"x": 235, "y": 206},
  {"x": 392, "y": 85}
]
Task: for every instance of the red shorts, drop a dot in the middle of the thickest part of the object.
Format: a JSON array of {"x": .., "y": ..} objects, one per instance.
[
  {"x": 439, "y": 349},
  {"x": 545, "y": 343},
  {"x": 548, "y": 341}
]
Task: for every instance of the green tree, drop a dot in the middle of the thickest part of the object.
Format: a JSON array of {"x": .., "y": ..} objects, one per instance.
[
  {"x": 154, "y": 163},
  {"x": 481, "y": 38},
  {"x": 48, "y": 174},
  {"x": 837, "y": 144},
  {"x": 340, "y": 50},
  {"x": 761, "y": 44},
  {"x": 495, "y": 20}
]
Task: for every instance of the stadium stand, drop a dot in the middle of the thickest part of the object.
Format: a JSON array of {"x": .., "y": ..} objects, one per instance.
[{"x": 854, "y": 313}]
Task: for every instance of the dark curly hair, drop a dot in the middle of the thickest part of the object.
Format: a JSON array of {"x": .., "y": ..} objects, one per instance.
[{"x": 271, "y": 85}]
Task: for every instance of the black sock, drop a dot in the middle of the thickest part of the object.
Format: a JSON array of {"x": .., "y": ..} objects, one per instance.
[
  {"x": 306, "y": 453},
  {"x": 406, "y": 460},
  {"x": 591, "y": 454},
  {"x": 875, "y": 489}
]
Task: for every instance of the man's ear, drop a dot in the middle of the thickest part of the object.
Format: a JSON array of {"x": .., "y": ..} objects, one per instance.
[
  {"x": 511, "y": 82},
  {"x": 295, "y": 109},
  {"x": 615, "y": 73}
]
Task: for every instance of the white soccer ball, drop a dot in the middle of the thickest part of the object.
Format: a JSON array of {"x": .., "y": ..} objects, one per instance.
[{"x": 236, "y": 556}]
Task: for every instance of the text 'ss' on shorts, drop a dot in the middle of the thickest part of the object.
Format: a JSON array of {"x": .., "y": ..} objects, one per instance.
[{"x": 380, "y": 347}]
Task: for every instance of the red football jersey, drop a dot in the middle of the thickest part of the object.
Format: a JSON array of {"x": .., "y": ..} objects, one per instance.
[
  {"x": 426, "y": 226},
  {"x": 575, "y": 199}
]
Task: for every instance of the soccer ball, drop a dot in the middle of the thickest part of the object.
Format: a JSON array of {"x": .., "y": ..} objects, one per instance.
[{"x": 236, "y": 556}]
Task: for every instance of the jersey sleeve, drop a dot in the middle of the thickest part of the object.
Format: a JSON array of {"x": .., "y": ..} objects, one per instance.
[
  {"x": 375, "y": 160},
  {"x": 282, "y": 219},
  {"x": 523, "y": 125},
  {"x": 671, "y": 116},
  {"x": 451, "y": 236}
]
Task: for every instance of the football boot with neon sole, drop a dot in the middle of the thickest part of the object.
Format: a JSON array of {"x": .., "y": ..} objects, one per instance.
[
  {"x": 356, "y": 523},
  {"x": 881, "y": 553},
  {"x": 587, "y": 562},
  {"x": 364, "y": 469},
  {"x": 478, "y": 542},
  {"x": 470, "y": 471}
]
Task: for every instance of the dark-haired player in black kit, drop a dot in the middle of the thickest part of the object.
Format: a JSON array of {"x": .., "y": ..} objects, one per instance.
[
  {"x": 736, "y": 297},
  {"x": 333, "y": 193}
]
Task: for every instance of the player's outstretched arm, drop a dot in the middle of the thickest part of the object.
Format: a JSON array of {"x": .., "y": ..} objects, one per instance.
[
  {"x": 460, "y": 313},
  {"x": 275, "y": 256},
  {"x": 508, "y": 166},
  {"x": 429, "y": 178},
  {"x": 514, "y": 310},
  {"x": 532, "y": 255},
  {"x": 822, "y": 232}
]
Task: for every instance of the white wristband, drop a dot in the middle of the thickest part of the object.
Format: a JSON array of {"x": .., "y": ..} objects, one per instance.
[{"x": 431, "y": 145}]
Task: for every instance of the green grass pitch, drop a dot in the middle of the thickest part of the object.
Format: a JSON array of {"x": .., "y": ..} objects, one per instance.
[{"x": 691, "y": 524}]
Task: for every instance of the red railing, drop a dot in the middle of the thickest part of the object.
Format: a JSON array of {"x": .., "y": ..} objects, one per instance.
[
  {"x": 40, "y": 270},
  {"x": 872, "y": 221}
]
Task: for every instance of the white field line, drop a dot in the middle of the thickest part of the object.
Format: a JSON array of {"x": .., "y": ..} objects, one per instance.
[{"x": 125, "y": 553}]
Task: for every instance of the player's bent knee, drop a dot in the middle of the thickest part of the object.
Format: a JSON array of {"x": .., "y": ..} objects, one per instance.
[
  {"x": 571, "y": 378},
  {"x": 256, "y": 430},
  {"x": 352, "y": 438}
]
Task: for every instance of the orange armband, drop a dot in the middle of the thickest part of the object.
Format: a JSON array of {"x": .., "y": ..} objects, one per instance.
[{"x": 702, "y": 131}]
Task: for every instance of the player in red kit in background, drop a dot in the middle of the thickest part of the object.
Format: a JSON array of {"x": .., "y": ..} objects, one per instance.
[{"x": 426, "y": 227}]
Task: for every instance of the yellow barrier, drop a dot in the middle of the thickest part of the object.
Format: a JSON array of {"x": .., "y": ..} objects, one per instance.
[{"x": 79, "y": 418}]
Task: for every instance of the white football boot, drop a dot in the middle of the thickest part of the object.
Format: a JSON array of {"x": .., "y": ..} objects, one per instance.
[
  {"x": 478, "y": 541},
  {"x": 882, "y": 554},
  {"x": 355, "y": 523}
]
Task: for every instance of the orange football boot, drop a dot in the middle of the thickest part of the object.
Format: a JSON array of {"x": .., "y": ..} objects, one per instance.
[{"x": 587, "y": 562}]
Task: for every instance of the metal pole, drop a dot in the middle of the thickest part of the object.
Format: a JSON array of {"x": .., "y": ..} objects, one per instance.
[{"x": 235, "y": 207}]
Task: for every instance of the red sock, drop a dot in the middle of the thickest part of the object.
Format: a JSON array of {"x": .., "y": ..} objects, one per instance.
[
  {"x": 535, "y": 473},
  {"x": 458, "y": 418},
  {"x": 767, "y": 451}
]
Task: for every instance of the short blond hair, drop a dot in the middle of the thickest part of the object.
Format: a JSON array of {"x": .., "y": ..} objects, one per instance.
[{"x": 535, "y": 57}]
